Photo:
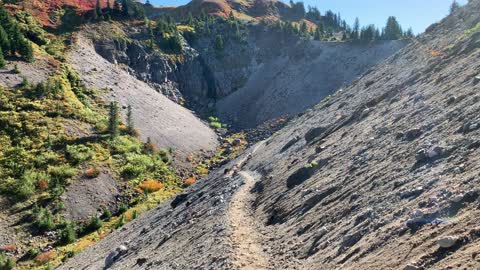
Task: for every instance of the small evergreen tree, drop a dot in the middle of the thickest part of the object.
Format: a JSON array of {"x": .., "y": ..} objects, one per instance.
[
  {"x": 98, "y": 10},
  {"x": 2, "y": 60},
  {"x": 356, "y": 29},
  {"x": 125, "y": 8},
  {"x": 4, "y": 40},
  {"x": 130, "y": 124},
  {"x": 454, "y": 6},
  {"x": 113, "y": 119},
  {"x": 68, "y": 234},
  {"x": 219, "y": 43},
  {"x": 393, "y": 30},
  {"x": 303, "y": 28}
]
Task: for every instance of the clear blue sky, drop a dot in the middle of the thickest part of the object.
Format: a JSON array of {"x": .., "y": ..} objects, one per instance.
[{"x": 418, "y": 14}]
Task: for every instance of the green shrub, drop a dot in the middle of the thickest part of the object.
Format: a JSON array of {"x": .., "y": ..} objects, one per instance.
[
  {"x": 106, "y": 214},
  {"x": 68, "y": 234},
  {"x": 61, "y": 172},
  {"x": 32, "y": 253},
  {"x": 121, "y": 221},
  {"x": 94, "y": 224},
  {"x": 125, "y": 144},
  {"x": 137, "y": 164},
  {"x": 123, "y": 208},
  {"x": 44, "y": 220},
  {"x": 6, "y": 262},
  {"x": 216, "y": 125},
  {"x": 26, "y": 186},
  {"x": 78, "y": 153}
]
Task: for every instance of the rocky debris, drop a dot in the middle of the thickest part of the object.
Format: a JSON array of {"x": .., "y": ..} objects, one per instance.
[
  {"x": 412, "y": 134},
  {"x": 236, "y": 142},
  {"x": 447, "y": 241},
  {"x": 115, "y": 255},
  {"x": 369, "y": 225},
  {"x": 412, "y": 267},
  {"x": 313, "y": 133}
]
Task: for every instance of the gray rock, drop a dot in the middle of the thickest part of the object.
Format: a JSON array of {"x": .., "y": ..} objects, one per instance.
[
  {"x": 421, "y": 155},
  {"x": 447, "y": 242},
  {"x": 411, "y": 267}
]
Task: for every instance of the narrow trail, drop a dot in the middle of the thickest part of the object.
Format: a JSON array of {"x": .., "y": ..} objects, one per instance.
[{"x": 246, "y": 239}]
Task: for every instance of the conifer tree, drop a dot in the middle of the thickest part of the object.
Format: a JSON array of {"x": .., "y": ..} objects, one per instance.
[
  {"x": 454, "y": 6},
  {"x": 113, "y": 119},
  {"x": 356, "y": 29},
  {"x": 2, "y": 60},
  {"x": 130, "y": 124},
  {"x": 125, "y": 9},
  {"x": 98, "y": 9},
  {"x": 4, "y": 40},
  {"x": 393, "y": 30}
]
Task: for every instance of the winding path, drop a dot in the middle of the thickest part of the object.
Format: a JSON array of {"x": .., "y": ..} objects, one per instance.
[{"x": 248, "y": 251}]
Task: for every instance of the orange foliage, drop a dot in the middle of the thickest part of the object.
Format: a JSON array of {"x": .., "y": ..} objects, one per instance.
[
  {"x": 150, "y": 186},
  {"x": 45, "y": 257},
  {"x": 92, "y": 172},
  {"x": 190, "y": 181},
  {"x": 190, "y": 158},
  {"x": 436, "y": 53}
]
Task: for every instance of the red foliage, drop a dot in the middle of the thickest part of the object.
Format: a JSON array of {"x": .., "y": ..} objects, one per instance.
[
  {"x": 8, "y": 248},
  {"x": 45, "y": 257},
  {"x": 42, "y": 184}
]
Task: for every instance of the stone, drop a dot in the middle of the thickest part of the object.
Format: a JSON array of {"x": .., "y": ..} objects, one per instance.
[
  {"x": 451, "y": 100},
  {"x": 447, "y": 242},
  {"x": 435, "y": 151},
  {"x": 421, "y": 155},
  {"x": 411, "y": 267},
  {"x": 236, "y": 142},
  {"x": 412, "y": 134}
]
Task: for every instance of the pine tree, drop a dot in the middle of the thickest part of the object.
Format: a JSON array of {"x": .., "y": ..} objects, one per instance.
[
  {"x": 125, "y": 9},
  {"x": 317, "y": 35},
  {"x": 4, "y": 40},
  {"x": 109, "y": 7},
  {"x": 113, "y": 119},
  {"x": 393, "y": 30},
  {"x": 116, "y": 6},
  {"x": 2, "y": 60},
  {"x": 454, "y": 6},
  {"x": 356, "y": 29},
  {"x": 130, "y": 124},
  {"x": 303, "y": 28},
  {"x": 98, "y": 9}
]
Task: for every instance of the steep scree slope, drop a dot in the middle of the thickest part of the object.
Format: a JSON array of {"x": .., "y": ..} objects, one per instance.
[
  {"x": 168, "y": 124},
  {"x": 369, "y": 179}
]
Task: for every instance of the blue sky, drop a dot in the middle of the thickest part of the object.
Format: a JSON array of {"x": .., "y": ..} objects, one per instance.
[{"x": 418, "y": 14}]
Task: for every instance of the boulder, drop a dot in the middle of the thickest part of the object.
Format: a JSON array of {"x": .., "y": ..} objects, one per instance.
[{"x": 447, "y": 241}]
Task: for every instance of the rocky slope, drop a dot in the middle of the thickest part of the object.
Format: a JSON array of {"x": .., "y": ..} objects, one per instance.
[
  {"x": 384, "y": 175},
  {"x": 166, "y": 123},
  {"x": 267, "y": 75}
]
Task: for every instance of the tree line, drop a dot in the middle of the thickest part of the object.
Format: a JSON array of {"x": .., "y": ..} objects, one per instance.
[{"x": 326, "y": 25}]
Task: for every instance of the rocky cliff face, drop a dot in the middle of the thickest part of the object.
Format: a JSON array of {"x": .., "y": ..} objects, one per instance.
[
  {"x": 384, "y": 175},
  {"x": 266, "y": 75}
]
